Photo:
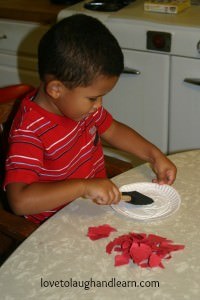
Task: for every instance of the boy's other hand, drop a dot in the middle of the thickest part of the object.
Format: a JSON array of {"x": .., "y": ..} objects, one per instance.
[
  {"x": 165, "y": 171},
  {"x": 102, "y": 191}
]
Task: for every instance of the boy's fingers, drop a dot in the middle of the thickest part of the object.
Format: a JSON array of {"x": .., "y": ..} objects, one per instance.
[
  {"x": 161, "y": 177},
  {"x": 171, "y": 177},
  {"x": 165, "y": 178},
  {"x": 112, "y": 197}
]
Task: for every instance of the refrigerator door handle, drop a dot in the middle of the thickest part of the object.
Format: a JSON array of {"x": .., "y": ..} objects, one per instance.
[
  {"x": 194, "y": 81},
  {"x": 131, "y": 71}
]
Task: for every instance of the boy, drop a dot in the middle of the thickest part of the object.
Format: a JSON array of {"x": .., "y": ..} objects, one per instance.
[{"x": 55, "y": 151}]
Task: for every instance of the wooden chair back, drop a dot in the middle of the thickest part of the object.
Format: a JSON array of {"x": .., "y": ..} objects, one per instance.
[{"x": 13, "y": 229}]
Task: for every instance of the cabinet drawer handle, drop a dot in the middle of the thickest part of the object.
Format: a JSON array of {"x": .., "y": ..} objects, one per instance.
[
  {"x": 192, "y": 81},
  {"x": 3, "y": 37},
  {"x": 131, "y": 71}
]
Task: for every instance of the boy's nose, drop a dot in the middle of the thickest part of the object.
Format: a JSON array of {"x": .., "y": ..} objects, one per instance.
[{"x": 97, "y": 104}]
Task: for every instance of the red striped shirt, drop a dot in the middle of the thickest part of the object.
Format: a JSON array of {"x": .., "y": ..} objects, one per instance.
[{"x": 45, "y": 147}]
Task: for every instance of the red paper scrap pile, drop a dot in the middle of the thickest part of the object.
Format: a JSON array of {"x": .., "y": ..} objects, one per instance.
[
  {"x": 102, "y": 231},
  {"x": 147, "y": 251}
]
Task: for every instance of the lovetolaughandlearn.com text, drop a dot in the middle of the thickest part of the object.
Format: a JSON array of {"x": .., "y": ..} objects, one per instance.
[{"x": 91, "y": 283}]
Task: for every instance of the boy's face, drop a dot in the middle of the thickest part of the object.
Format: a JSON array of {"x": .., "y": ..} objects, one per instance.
[{"x": 80, "y": 102}]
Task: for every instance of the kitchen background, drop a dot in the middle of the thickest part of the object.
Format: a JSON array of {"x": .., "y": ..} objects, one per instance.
[{"x": 159, "y": 92}]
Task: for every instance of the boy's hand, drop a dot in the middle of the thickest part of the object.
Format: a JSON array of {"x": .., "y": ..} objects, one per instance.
[
  {"x": 102, "y": 191},
  {"x": 165, "y": 170}
]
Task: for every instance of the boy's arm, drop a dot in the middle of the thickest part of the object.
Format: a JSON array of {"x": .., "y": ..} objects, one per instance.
[
  {"x": 38, "y": 197},
  {"x": 125, "y": 138}
]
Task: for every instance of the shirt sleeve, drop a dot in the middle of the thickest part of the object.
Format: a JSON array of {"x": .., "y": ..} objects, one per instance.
[
  {"x": 25, "y": 158},
  {"x": 103, "y": 120}
]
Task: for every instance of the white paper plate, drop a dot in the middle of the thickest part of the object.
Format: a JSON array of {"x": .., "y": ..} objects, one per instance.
[{"x": 166, "y": 201}]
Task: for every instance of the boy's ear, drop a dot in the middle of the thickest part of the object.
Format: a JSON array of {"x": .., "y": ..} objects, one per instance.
[{"x": 54, "y": 89}]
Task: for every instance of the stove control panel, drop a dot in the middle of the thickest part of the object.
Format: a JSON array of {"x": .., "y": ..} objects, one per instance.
[{"x": 159, "y": 41}]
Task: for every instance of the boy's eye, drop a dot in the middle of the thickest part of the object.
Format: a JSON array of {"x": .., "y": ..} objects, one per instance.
[{"x": 93, "y": 99}]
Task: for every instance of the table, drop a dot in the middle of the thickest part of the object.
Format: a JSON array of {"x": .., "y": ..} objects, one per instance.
[{"x": 59, "y": 253}]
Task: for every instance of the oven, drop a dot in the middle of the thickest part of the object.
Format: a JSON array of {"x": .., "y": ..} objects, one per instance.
[{"x": 159, "y": 92}]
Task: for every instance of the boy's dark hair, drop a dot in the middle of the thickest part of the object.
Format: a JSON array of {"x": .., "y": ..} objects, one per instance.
[{"x": 78, "y": 49}]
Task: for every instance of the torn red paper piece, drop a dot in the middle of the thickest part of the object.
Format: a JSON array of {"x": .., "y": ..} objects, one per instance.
[
  {"x": 99, "y": 232},
  {"x": 140, "y": 252},
  {"x": 147, "y": 251},
  {"x": 154, "y": 260},
  {"x": 122, "y": 259}
]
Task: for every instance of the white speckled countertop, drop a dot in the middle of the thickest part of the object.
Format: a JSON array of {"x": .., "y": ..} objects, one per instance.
[
  {"x": 190, "y": 17},
  {"x": 60, "y": 250}
]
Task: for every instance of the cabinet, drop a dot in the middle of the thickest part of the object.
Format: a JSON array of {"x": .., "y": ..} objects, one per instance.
[
  {"x": 184, "y": 110},
  {"x": 18, "y": 51}
]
